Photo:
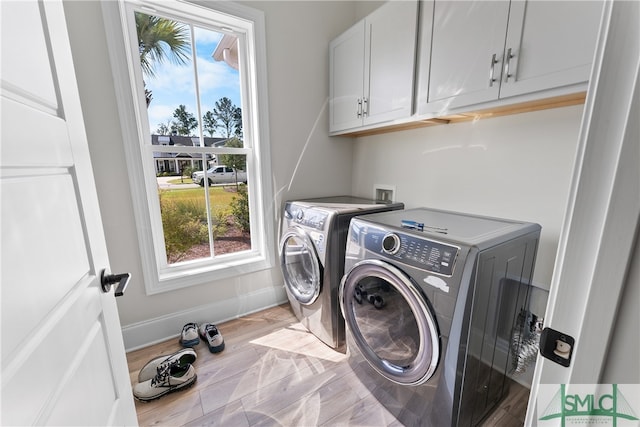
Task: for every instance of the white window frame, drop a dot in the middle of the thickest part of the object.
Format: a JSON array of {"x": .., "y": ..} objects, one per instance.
[{"x": 249, "y": 25}]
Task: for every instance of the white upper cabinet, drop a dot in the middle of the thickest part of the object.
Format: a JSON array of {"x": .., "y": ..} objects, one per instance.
[
  {"x": 346, "y": 75},
  {"x": 472, "y": 52},
  {"x": 372, "y": 68},
  {"x": 549, "y": 44},
  {"x": 466, "y": 51}
]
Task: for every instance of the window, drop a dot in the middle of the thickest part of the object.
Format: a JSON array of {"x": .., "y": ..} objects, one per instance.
[{"x": 197, "y": 152}]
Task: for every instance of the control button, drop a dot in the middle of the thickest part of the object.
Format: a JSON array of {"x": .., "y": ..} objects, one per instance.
[
  {"x": 391, "y": 243},
  {"x": 300, "y": 215}
]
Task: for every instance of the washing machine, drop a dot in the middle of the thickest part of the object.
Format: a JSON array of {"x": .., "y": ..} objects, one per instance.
[
  {"x": 431, "y": 301},
  {"x": 312, "y": 246}
]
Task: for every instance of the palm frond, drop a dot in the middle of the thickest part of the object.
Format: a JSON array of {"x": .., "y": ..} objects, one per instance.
[{"x": 160, "y": 40}]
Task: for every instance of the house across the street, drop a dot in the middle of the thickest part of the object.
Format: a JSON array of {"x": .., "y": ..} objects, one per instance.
[{"x": 174, "y": 162}]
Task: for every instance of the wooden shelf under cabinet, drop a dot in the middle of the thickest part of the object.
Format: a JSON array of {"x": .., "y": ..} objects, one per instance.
[{"x": 523, "y": 107}]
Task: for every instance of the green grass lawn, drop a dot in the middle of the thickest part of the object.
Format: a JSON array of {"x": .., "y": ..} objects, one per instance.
[
  {"x": 178, "y": 181},
  {"x": 219, "y": 197}
]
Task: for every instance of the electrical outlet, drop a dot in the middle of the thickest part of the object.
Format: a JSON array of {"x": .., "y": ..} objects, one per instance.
[{"x": 384, "y": 193}]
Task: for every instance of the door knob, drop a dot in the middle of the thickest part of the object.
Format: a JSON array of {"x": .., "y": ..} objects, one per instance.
[{"x": 120, "y": 280}]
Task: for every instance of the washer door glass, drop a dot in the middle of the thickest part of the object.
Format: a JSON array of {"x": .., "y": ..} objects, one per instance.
[
  {"x": 390, "y": 322},
  {"x": 300, "y": 266}
]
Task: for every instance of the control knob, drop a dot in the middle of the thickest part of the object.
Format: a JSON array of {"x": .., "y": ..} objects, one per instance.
[{"x": 391, "y": 244}]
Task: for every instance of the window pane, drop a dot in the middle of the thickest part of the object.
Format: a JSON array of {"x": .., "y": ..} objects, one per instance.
[
  {"x": 230, "y": 206},
  {"x": 166, "y": 55},
  {"x": 219, "y": 84},
  {"x": 183, "y": 206},
  {"x": 184, "y": 215}
]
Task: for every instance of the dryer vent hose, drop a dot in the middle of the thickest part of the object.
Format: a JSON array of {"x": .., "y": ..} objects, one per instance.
[{"x": 525, "y": 340}]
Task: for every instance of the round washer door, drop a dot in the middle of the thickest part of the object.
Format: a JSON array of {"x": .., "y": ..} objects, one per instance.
[
  {"x": 390, "y": 322},
  {"x": 300, "y": 266}
]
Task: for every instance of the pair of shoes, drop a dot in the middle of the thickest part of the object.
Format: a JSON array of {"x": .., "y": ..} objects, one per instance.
[
  {"x": 189, "y": 336},
  {"x": 376, "y": 300},
  {"x": 165, "y": 374},
  {"x": 212, "y": 336}
]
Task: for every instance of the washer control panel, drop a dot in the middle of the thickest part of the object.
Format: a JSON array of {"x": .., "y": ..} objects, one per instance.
[
  {"x": 417, "y": 252},
  {"x": 310, "y": 218}
]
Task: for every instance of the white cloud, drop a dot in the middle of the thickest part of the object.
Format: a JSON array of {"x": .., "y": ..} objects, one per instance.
[
  {"x": 159, "y": 113},
  {"x": 213, "y": 75},
  {"x": 173, "y": 78}
]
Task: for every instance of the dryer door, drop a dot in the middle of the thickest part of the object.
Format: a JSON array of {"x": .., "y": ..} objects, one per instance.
[
  {"x": 300, "y": 266},
  {"x": 390, "y": 322}
]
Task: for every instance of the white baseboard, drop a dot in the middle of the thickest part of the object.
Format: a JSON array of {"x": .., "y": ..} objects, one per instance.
[{"x": 149, "y": 332}]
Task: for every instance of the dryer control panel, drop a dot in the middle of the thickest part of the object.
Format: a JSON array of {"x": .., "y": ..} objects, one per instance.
[{"x": 417, "y": 252}]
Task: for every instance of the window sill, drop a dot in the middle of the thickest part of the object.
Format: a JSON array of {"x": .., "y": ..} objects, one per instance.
[{"x": 171, "y": 278}]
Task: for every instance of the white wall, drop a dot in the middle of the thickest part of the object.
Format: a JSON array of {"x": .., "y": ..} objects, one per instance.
[
  {"x": 297, "y": 50},
  {"x": 305, "y": 161},
  {"x": 516, "y": 167}
]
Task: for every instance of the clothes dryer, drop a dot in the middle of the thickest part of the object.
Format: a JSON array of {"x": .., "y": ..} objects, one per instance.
[
  {"x": 312, "y": 245},
  {"x": 430, "y": 300}
]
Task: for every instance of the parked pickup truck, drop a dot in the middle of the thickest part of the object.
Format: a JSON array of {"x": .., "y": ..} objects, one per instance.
[{"x": 220, "y": 175}]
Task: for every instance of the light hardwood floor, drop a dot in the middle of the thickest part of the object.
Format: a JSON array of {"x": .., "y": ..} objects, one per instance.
[{"x": 275, "y": 373}]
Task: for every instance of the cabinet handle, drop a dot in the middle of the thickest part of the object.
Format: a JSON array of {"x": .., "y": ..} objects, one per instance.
[
  {"x": 492, "y": 69},
  {"x": 365, "y": 108},
  {"x": 359, "y": 111},
  {"x": 506, "y": 65}
]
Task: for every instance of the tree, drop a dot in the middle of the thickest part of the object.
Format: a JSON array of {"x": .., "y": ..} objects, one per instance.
[
  {"x": 209, "y": 123},
  {"x": 185, "y": 122},
  {"x": 160, "y": 40},
  {"x": 227, "y": 116},
  {"x": 164, "y": 128},
  {"x": 237, "y": 118}
]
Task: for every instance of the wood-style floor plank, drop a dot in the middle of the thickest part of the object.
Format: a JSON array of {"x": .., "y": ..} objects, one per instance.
[{"x": 273, "y": 372}]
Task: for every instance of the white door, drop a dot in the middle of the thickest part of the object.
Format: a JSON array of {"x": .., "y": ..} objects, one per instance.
[
  {"x": 603, "y": 215},
  {"x": 63, "y": 359}
]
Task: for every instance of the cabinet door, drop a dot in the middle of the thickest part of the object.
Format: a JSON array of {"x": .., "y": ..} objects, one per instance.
[
  {"x": 466, "y": 53},
  {"x": 552, "y": 44},
  {"x": 390, "y": 37},
  {"x": 346, "y": 79}
]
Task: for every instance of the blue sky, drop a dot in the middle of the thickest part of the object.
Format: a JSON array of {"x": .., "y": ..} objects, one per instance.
[{"x": 174, "y": 84}]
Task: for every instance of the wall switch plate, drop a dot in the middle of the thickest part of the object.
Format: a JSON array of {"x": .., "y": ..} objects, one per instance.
[{"x": 384, "y": 193}]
